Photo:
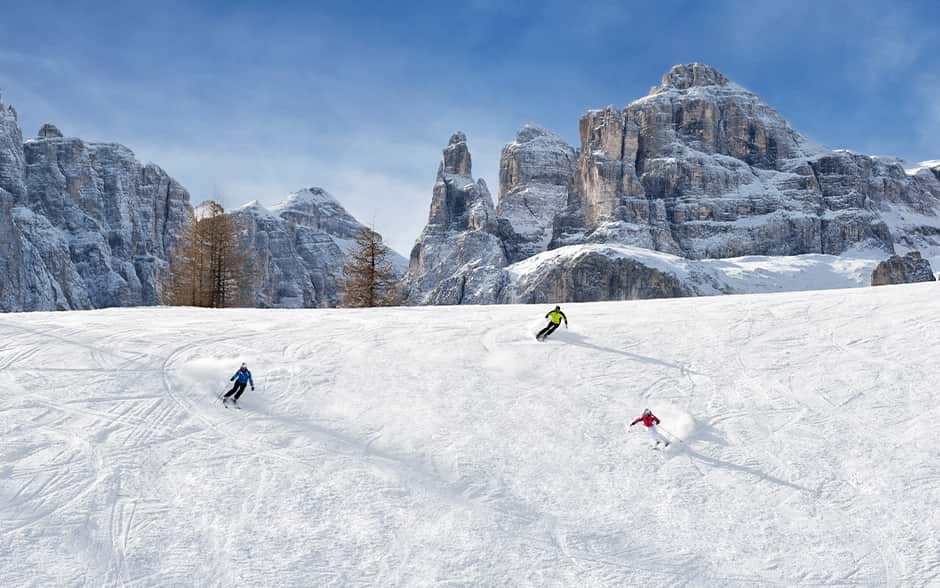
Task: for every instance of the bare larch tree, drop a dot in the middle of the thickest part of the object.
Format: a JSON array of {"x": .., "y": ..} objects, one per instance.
[
  {"x": 370, "y": 276},
  {"x": 209, "y": 267}
]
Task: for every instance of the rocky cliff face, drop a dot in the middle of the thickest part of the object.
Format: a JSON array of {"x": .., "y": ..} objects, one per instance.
[
  {"x": 699, "y": 168},
  {"x": 908, "y": 269},
  {"x": 18, "y": 285},
  {"x": 82, "y": 225},
  {"x": 299, "y": 246}
]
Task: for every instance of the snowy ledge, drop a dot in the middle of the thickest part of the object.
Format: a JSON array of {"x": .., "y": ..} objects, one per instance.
[{"x": 739, "y": 275}]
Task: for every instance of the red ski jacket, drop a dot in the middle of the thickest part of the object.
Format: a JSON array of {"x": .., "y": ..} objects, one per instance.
[{"x": 648, "y": 420}]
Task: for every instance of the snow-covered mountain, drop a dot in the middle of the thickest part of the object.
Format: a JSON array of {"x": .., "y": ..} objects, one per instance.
[
  {"x": 300, "y": 247},
  {"x": 701, "y": 168},
  {"x": 82, "y": 225},
  {"x": 445, "y": 446}
]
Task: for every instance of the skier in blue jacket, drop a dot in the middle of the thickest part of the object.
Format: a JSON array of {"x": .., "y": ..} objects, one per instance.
[{"x": 241, "y": 378}]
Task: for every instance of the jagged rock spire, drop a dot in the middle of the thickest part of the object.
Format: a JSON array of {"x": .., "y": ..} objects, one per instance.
[
  {"x": 459, "y": 203},
  {"x": 12, "y": 158},
  {"x": 460, "y": 235}
]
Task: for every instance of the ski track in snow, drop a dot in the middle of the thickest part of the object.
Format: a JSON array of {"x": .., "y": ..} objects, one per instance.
[{"x": 446, "y": 446}]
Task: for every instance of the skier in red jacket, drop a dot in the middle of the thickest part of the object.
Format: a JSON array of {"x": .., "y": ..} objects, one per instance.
[{"x": 650, "y": 421}]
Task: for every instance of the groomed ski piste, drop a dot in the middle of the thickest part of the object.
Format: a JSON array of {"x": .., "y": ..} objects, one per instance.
[{"x": 446, "y": 447}]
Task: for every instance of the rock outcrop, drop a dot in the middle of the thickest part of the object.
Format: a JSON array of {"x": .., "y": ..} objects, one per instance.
[
  {"x": 908, "y": 269},
  {"x": 459, "y": 255},
  {"x": 82, "y": 225},
  {"x": 299, "y": 248},
  {"x": 593, "y": 275}
]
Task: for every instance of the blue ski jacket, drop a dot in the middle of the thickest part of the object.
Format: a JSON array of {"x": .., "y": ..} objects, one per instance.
[{"x": 242, "y": 377}]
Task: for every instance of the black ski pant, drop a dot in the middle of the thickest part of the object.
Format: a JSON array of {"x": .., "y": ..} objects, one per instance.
[
  {"x": 237, "y": 389},
  {"x": 548, "y": 330}
]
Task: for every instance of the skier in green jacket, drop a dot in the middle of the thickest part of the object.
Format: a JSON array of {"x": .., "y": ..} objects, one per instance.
[{"x": 554, "y": 319}]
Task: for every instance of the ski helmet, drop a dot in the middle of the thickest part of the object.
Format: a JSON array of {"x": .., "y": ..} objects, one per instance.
[
  {"x": 647, "y": 411},
  {"x": 557, "y": 308},
  {"x": 244, "y": 365}
]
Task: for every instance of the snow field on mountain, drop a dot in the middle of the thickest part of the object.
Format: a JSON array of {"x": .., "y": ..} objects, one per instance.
[{"x": 445, "y": 446}]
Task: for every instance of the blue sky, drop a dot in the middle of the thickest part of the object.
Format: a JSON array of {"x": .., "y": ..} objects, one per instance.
[{"x": 252, "y": 100}]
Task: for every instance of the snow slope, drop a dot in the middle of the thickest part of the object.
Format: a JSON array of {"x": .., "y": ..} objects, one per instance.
[{"x": 444, "y": 446}]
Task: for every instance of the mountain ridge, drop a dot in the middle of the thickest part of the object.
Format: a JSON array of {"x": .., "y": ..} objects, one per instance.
[
  {"x": 699, "y": 168},
  {"x": 84, "y": 224}
]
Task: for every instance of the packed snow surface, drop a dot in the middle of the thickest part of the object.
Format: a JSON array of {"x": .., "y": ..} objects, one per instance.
[{"x": 445, "y": 446}]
